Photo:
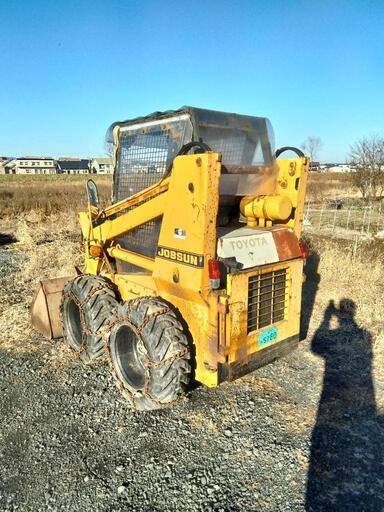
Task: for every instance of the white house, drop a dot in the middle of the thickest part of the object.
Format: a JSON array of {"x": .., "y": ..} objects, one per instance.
[
  {"x": 31, "y": 165},
  {"x": 3, "y": 164},
  {"x": 340, "y": 168},
  {"x": 102, "y": 166},
  {"x": 336, "y": 167}
]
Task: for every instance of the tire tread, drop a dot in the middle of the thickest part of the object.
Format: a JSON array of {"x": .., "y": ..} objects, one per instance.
[
  {"x": 163, "y": 337},
  {"x": 96, "y": 309}
]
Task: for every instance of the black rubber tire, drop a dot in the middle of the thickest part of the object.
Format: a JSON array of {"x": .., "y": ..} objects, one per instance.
[
  {"x": 87, "y": 301},
  {"x": 149, "y": 353}
]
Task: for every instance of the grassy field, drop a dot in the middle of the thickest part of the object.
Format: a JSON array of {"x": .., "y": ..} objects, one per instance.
[
  {"x": 323, "y": 186},
  {"x": 39, "y": 212},
  {"x": 48, "y": 194},
  {"x": 51, "y": 194}
]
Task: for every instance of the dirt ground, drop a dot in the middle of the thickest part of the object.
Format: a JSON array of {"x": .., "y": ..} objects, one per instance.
[{"x": 303, "y": 433}]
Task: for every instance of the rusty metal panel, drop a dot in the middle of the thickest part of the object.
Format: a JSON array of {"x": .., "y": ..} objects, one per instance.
[
  {"x": 287, "y": 244},
  {"x": 45, "y": 307}
]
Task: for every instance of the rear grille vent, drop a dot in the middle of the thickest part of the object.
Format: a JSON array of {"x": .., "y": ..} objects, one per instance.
[{"x": 267, "y": 299}]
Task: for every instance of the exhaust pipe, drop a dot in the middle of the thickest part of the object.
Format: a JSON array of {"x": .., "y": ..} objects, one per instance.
[{"x": 45, "y": 307}]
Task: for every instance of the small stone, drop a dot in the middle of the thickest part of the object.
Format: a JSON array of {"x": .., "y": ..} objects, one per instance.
[
  {"x": 86, "y": 479},
  {"x": 121, "y": 489},
  {"x": 228, "y": 433},
  {"x": 119, "y": 469}
]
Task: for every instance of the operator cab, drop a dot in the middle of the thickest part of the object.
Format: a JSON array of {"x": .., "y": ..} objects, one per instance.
[{"x": 146, "y": 146}]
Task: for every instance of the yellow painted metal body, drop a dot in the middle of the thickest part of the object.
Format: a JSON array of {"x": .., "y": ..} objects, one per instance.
[
  {"x": 278, "y": 207},
  {"x": 189, "y": 199},
  {"x": 239, "y": 344},
  {"x": 292, "y": 183}
]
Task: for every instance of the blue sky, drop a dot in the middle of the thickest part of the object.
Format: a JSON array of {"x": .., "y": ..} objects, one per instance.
[{"x": 69, "y": 69}]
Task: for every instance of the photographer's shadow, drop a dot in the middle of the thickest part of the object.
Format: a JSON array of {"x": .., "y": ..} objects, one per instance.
[
  {"x": 346, "y": 468},
  {"x": 309, "y": 291}
]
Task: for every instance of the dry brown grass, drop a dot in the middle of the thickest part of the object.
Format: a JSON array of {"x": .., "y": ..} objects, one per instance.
[
  {"x": 322, "y": 186},
  {"x": 41, "y": 214},
  {"x": 360, "y": 280},
  {"x": 49, "y": 249},
  {"x": 47, "y": 194},
  {"x": 51, "y": 194}
]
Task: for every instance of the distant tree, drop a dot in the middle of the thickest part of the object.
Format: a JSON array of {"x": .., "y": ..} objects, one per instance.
[
  {"x": 312, "y": 146},
  {"x": 367, "y": 160}
]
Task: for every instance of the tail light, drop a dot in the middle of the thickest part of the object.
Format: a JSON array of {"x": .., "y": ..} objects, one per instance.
[
  {"x": 304, "y": 251},
  {"x": 214, "y": 274},
  {"x": 96, "y": 251}
]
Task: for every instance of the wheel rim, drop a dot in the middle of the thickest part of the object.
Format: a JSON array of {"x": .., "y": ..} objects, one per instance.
[
  {"x": 128, "y": 359},
  {"x": 75, "y": 328}
]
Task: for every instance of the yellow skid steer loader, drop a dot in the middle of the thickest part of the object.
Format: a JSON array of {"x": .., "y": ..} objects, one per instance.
[{"x": 195, "y": 270}]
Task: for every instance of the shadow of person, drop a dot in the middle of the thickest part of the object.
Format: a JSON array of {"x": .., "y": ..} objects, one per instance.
[
  {"x": 309, "y": 291},
  {"x": 346, "y": 467}
]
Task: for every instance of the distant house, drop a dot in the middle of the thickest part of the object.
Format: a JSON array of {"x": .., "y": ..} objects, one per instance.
[
  {"x": 73, "y": 165},
  {"x": 4, "y": 161},
  {"x": 314, "y": 166},
  {"x": 102, "y": 166},
  {"x": 331, "y": 167},
  {"x": 31, "y": 165},
  {"x": 341, "y": 168}
]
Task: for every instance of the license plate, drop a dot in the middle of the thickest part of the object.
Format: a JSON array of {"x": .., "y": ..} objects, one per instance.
[{"x": 268, "y": 336}]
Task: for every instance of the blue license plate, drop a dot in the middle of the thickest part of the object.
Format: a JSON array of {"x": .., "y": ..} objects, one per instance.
[{"x": 268, "y": 336}]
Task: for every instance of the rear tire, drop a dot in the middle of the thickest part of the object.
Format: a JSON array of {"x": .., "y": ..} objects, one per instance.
[
  {"x": 148, "y": 353},
  {"x": 86, "y": 309}
]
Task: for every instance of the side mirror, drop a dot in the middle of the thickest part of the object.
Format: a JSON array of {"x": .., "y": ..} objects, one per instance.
[{"x": 93, "y": 194}]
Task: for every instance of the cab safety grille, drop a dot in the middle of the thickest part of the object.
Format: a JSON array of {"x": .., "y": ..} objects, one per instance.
[{"x": 267, "y": 299}]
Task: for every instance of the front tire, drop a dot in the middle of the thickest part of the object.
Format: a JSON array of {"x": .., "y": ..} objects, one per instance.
[
  {"x": 86, "y": 308},
  {"x": 148, "y": 353}
]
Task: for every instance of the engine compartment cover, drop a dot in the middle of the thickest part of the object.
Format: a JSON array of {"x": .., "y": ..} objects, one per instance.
[{"x": 258, "y": 246}]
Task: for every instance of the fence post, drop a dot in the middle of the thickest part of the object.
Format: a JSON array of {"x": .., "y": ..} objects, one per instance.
[
  {"x": 307, "y": 216},
  {"x": 365, "y": 214},
  {"x": 369, "y": 219},
  {"x": 355, "y": 245},
  {"x": 334, "y": 220},
  {"x": 349, "y": 215},
  {"x": 321, "y": 214}
]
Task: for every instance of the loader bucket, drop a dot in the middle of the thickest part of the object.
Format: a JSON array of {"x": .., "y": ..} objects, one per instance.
[{"x": 45, "y": 307}]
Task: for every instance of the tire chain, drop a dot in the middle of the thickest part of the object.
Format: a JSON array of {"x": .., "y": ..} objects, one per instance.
[
  {"x": 149, "y": 362},
  {"x": 85, "y": 330}
]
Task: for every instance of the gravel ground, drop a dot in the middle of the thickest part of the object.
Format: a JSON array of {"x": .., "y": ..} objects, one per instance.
[
  {"x": 69, "y": 442},
  {"x": 303, "y": 433},
  {"x": 10, "y": 261}
]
